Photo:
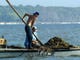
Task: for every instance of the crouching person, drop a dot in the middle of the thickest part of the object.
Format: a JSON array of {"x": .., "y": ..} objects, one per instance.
[{"x": 35, "y": 43}]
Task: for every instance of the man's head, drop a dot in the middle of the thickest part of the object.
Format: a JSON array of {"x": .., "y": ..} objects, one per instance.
[
  {"x": 34, "y": 28},
  {"x": 36, "y": 14}
]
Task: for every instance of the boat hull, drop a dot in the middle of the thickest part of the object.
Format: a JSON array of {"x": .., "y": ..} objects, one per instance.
[{"x": 7, "y": 53}]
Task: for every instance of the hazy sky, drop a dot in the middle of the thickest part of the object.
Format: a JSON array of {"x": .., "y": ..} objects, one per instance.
[{"x": 66, "y": 3}]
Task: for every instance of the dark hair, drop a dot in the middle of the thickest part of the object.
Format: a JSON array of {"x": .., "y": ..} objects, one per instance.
[{"x": 36, "y": 13}]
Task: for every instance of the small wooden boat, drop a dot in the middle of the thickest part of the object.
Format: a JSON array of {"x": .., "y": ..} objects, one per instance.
[{"x": 15, "y": 51}]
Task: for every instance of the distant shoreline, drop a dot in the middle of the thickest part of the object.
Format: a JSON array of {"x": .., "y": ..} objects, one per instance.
[{"x": 15, "y": 23}]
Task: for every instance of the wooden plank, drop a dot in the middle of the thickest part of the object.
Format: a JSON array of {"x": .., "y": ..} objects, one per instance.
[
  {"x": 74, "y": 48},
  {"x": 18, "y": 50}
]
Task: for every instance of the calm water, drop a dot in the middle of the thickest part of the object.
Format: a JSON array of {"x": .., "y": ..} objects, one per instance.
[{"x": 15, "y": 35}]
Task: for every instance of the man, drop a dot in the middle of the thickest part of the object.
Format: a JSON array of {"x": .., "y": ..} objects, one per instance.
[{"x": 28, "y": 28}]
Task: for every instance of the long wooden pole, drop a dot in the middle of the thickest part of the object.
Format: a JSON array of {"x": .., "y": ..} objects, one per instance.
[
  {"x": 22, "y": 19},
  {"x": 15, "y": 11},
  {"x": 38, "y": 40}
]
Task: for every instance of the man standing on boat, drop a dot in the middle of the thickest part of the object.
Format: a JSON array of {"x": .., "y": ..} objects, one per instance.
[{"x": 28, "y": 28}]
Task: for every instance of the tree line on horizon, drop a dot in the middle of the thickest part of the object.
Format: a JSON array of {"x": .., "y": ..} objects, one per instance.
[{"x": 47, "y": 14}]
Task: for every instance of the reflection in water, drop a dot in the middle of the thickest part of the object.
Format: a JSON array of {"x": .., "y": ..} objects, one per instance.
[{"x": 35, "y": 57}]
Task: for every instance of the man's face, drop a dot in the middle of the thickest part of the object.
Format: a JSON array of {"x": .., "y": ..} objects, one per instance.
[{"x": 36, "y": 15}]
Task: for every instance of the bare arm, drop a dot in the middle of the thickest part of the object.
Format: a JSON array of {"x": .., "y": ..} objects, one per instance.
[{"x": 25, "y": 15}]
